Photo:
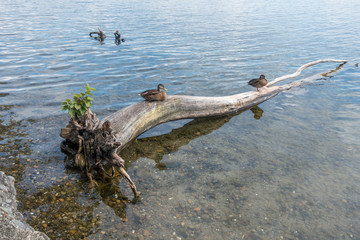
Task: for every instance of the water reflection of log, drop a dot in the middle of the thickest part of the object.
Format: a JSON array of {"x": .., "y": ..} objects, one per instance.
[{"x": 156, "y": 147}]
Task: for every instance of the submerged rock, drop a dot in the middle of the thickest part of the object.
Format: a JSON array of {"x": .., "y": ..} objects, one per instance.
[{"x": 12, "y": 224}]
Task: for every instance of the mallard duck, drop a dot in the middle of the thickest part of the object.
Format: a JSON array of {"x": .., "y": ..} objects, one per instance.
[
  {"x": 154, "y": 95},
  {"x": 117, "y": 34},
  {"x": 100, "y": 34},
  {"x": 118, "y": 38},
  {"x": 258, "y": 82}
]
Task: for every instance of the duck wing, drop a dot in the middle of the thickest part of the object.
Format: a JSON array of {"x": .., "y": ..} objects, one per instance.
[
  {"x": 253, "y": 81},
  {"x": 149, "y": 93}
]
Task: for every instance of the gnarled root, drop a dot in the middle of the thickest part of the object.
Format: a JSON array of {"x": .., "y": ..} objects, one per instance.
[{"x": 96, "y": 147}]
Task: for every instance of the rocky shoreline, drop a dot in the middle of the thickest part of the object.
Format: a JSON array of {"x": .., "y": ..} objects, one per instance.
[{"x": 12, "y": 223}]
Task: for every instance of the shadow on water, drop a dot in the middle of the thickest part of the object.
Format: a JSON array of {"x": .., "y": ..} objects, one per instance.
[{"x": 156, "y": 147}]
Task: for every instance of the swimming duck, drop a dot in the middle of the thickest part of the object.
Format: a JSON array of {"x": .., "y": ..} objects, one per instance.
[
  {"x": 154, "y": 95},
  {"x": 118, "y": 37},
  {"x": 258, "y": 82},
  {"x": 117, "y": 34},
  {"x": 100, "y": 34}
]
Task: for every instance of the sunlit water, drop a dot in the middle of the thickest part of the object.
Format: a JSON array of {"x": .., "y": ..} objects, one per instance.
[{"x": 291, "y": 173}]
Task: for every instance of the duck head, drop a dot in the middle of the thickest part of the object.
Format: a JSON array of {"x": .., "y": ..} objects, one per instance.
[{"x": 161, "y": 86}]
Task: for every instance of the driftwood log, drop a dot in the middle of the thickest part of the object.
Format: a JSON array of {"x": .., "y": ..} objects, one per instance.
[{"x": 96, "y": 143}]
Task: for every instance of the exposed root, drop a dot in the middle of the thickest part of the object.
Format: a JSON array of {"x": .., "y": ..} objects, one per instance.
[
  {"x": 96, "y": 147},
  {"x": 93, "y": 183},
  {"x": 129, "y": 181},
  {"x": 65, "y": 148}
]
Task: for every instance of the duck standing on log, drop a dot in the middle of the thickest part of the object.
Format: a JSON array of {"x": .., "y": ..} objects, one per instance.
[
  {"x": 258, "y": 82},
  {"x": 154, "y": 95}
]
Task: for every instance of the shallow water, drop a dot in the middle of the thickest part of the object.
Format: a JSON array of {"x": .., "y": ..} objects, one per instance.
[{"x": 286, "y": 170}]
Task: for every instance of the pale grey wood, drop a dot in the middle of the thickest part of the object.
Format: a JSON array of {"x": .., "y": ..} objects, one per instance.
[
  {"x": 300, "y": 69},
  {"x": 130, "y": 122}
]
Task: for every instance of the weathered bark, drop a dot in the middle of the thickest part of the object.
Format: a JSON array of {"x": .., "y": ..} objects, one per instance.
[
  {"x": 300, "y": 69},
  {"x": 100, "y": 141}
]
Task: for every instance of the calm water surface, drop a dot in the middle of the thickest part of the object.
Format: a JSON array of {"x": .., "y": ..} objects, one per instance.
[{"x": 287, "y": 170}]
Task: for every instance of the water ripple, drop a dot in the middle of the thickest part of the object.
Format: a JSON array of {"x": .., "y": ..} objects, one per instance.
[{"x": 217, "y": 55}]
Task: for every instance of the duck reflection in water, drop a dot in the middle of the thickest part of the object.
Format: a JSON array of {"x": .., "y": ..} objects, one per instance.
[{"x": 258, "y": 112}]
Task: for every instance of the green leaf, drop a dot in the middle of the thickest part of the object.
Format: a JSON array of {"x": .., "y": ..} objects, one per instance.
[
  {"x": 71, "y": 112},
  {"x": 80, "y": 103},
  {"x": 82, "y": 110}
]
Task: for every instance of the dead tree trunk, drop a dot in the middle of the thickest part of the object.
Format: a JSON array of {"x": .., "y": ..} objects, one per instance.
[{"x": 97, "y": 142}]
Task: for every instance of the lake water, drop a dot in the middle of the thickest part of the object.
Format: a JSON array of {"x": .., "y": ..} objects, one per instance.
[{"x": 289, "y": 171}]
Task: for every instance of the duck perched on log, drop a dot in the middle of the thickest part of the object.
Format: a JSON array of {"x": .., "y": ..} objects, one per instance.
[
  {"x": 154, "y": 95},
  {"x": 258, "y": 82}
]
